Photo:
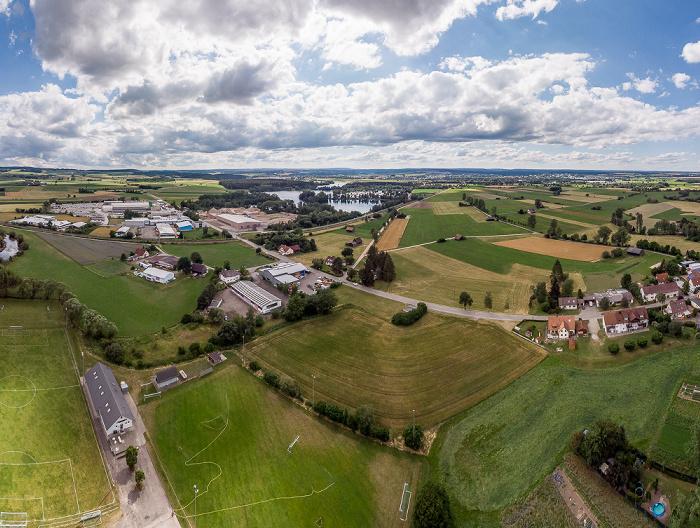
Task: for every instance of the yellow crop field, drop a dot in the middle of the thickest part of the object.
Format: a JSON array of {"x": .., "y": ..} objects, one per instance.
[
  {"x": 450, "y": 208},
  {"x": 556, "y": 248},
  {"x": 648, "y": 210},
  {"x": 392, "y": 234}
]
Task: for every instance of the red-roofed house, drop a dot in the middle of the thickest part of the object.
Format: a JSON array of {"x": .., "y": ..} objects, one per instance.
[
  {"x": 561, "y": 327},
  {"x": 677, "y": 310},
  {"x": 295, "y": 249},
  {"x": 329, "y": 260},
  {"x": 662, "y": 277},
  {"x": 625, "y": 321},
  {"x": 670, "y": 290},
  {"x": 285, "y": 250}
]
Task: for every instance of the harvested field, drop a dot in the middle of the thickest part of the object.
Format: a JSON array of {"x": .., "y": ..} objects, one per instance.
[
  {"x": 690, "y": 208},
  {"x": 102, "y": 231},
  {"x": 487, "y": 196},
  {"x": 87, "y": 250},
  {"x": 575, "y": 196},
  {"x": 556, "y": 248},
  {"x": 392, "y": 235},
  {"x": 569, "y": 221},
  {"x": 549, "y": 205},
  {"x": 419, "y": 205},
  {"x": 449, "y": 208},
  {"x": 649, "y": 210}
]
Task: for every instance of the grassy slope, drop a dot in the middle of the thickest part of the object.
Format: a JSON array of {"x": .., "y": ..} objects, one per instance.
[
  {"x": 360, "y": 358},
  {"x": 41, "y": 428},
  {"x": 216, "y": 253},
  {"x": 135, "y": 305},
  {"x": 493, "y": 453},
  {"x": 252, "y": 454}
]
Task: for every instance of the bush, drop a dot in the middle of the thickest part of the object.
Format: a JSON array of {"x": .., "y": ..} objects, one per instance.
[
  {"x": 408, "y": 437},
  {"x": 290, "y": 386},
  {"x": 254, "y": 366},
  {"x": 380, "y": 433},
  {"x": 642, "y": 342},
  {"x": 114, "y": 353},
  {"x": 657, "y": 337},
  {"x": 433, "y": 507},
  {"x": 440, "y": 240},
  {"x": 271, "y": 379},
  {"x": 630, "y": 345},
  {"x": 689, "y": 324},
  {"x": 187, "y": 318},
  {"x": 320, "y": 407},
  {"x": 546, "y": 307},
  {"x": 181, "y": 350},
  {"x": 613, "y": 348},
  {"x": 617, "y": 252},
  {"x": 606, "y": 255},
  {"x": 408, "y": 318}
]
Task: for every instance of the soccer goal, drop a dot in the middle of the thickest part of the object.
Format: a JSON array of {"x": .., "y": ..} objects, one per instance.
[
  {"x": 13, "y": 519},
  {"x": 405, "y": 502},
  {"x": 92, "y": 519}
]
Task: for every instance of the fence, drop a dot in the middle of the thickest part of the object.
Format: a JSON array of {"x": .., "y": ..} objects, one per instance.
[
  {"x": 673, "y": 473},
  {"x": 645, "y": 512}
]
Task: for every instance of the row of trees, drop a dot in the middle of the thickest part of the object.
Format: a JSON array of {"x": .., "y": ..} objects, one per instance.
[{"x": 378, "y": 266}]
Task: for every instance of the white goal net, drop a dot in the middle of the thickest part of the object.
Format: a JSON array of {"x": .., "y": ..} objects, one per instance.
[{"x": 13, "y": 519}]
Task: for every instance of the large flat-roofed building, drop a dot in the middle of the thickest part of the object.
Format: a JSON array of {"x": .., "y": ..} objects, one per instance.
[
  {"x": 284, "y": 273},
  {"x": 118, "y": 207},
  {"x": 154, "y": 274},
  {"x": 165, "y": 231},
  {"x": 107, "y": 400},
  {"x": 240, "y": 222},
  {"x": 263, "y": 300}
]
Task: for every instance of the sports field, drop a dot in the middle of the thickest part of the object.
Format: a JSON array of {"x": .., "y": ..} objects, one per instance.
[
  {"x": 494, "y": 453},
  {"x": 359, "y": 357},
  {"x": 229, "y": 434},
  {"x": 392, "y": 235},
  {"x": 556, "y": 248},
  {"x": 51, "y": 467}
]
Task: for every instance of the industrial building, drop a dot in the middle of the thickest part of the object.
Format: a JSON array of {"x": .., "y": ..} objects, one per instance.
[
  {"x": 107, "y": 400},
  {"x": 284, "y": 273},
  {"x": 239, "y": 222},
  {"x": 264, "y": 301},
  {"x": 165, "y": 231},
  {"x": 154, "y": 274}
]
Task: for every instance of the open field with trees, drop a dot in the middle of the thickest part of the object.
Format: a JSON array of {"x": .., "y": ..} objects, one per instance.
[
  {"x": 359, "y": 357},
  {"x": 228, "y": 434},
  {"x": 51, "y": 466},
  {"x": 495, "y": 452},
  {"x": 215, "y": 254}
]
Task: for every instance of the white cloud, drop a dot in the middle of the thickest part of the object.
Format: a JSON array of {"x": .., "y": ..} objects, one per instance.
[
  {"x": 520, "y": 8},
  {"x": 645, "y": 86},
  {"x": 691, "y": 52},
  {"x": 5, "y": 7},
  {"x": 680, "y": 80}
]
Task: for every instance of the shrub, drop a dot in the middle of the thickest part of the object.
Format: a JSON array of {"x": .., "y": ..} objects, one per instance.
[
  {"x": 320, "y": 407},
  {"x": 195, "y": 349},
  {"x": 689, "y": 324},
  {"x": 642, "y": 342},
  {"x": 114, "y": 352},
  {"x": 613, "y": 348},
  {"x": 187, "y": 318},
  {"x": 408, "y": 437},
  {"x": 271, "y": 379},
  {"x": 606, "y": 255},
  {"x": 546, "y": 307},
  {"x": 657, "y": 337},
  {"x": 181, "y": 350},
  {"x": 380, "y": 433},
  {"x": 290, "y": 386},
  {"x": 254, "y": 366},
  {"x": 617, "y": 252},
  {"x": 432, "y": 507},
  {"x": 408, "y": 318},
  {"x": 630, "y": 345},
  {"x": 440, "y": 240}
]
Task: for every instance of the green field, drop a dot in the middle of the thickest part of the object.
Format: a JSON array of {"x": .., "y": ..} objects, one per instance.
[
  {"x": 228, "y": 434},
  {"x": 676, "y": 433},
  {"x": 135, "y": 305},
  {"x": 214, "y": 254},
  {"x": 494, "y": 453},
  {"x": 51, "y": 466},
  {"x": 358, "y": 357}
]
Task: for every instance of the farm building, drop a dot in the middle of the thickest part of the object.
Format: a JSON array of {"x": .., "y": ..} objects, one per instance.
[
  {"x": 625, "y": 321},
  {"x": 154, "y": 274},
  {"x": 561, "y": 327},
  {"x": 568, "y": 303},
  {"x": 284, "y": 273},
  {"x": 350, "y": 229},
  {"x": 264, "y": 301},
  {"x": 613, "y": 296},
  {"x": 677, "y": 310},
  {"x": 139, "y": 254},
  {"x": 163, "y": 261},
  {"x": 588, "y": 300},
  {"x": 229, "y": 276},
  {"x": 165, "y": 231},
  {"x": 635, "y": 252},
  {"x": 530, "y": 211},
  {"x": 215, "y": 358},
  {"x": 239, "y": 222},
  {"x": 122, "y": 231},
  {"x": 165, "y": 377},
  {"x": 289, "y": 250},
  {"x": 199, "y": 269},
  {"x": 107, "y": 400},
  {"x": 670, "y": 290},
  {"x": 354, "y": 242}
]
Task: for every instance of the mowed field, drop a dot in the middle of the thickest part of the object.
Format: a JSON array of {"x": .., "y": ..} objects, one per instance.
[
  {"x": 85, "y": 250},
  {"x": 494, "y": 453},
  {"x": 51, "y": 466},
  {"x": 556, "y": 248},
  {"x": 422, "y": 273},
  {"x": 237, "y": 253},
  {"x": 392, "y": 235},
  {"x": 359, "y": 357},
  {"x": 228, "y": 434}
]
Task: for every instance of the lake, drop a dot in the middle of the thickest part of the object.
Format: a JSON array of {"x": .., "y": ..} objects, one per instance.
[
  {"x": 11, "y": 248},
  {"x": 345, "y": 205}
]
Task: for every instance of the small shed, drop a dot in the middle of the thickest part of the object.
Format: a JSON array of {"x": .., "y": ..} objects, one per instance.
[
  {"x": 350, "y": 229},
  {"x": 165, "y": 377},
  {"x": 199, "y": 269},
  {"x": 635, "y": 251},
  {"x": 215, "y": 358}
]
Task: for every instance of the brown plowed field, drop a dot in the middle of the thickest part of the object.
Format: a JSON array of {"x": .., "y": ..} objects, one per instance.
[{"x": 392, "y": 235}]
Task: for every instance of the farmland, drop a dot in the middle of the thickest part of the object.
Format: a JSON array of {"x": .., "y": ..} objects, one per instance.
[
  {"x": 51, "y": 466},
  {"x": 556, "y": 248},
  {"x": 238, "y": 458},
  {"x": 214, "y": 254},
  {"x": 392, "y": 235},
  {"x": 493, "y": 453},
  {"x": 359, "y": 357},
  {"x": 86, "y": 250}
]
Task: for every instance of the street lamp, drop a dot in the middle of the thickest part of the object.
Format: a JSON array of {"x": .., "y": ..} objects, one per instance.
[
  {"x": 313, "y": 392},
  {"x": 196, "y": 491}
]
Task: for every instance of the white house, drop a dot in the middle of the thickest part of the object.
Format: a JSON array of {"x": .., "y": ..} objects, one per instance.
[
  {"x": 107, "y": 400},
  {"x": 568, "y": 303},
  {"x": 229, "y": 276},
  {"x": 625, "y": 321},
  {"x": 154, "y": 274},
  {"x": 669, "y": 289}
]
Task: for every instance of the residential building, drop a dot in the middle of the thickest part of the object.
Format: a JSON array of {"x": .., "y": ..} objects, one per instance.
[
  {"x": 694, "y": 283},
  {"x": 694, "y": 302},
  {"x": 215, "y": 358},
  {"x": 165, "y": 377},
  {"x": 354, "y": 242},
  {"x": 561, "y": 327},
  {"x": 259, "y": 298},
  {"x": 295, "y": 248},
  {"x": 285, "y": 250},
  {"x": 678, "y": 310},
  {"x": 568, "y": 303},
  {"x": 625, "y": 321},
  {"x": 588, "y": 300},
  {"x": 284, "y": 273},
  {"x": 614, "y": 297},
  {"x": 229, "y": 276},
  {"x": 329, "y": 260},
  {"x": 635, "y": 252},
  {"x": 670, "y": 290},
  {"x": 140, "y": 253},
  {"x": 239, "y": 222},
  {"x": 107, "y": 400},
  {"x": 662, "y": 278},
  {"x": 162, "y": 276}
]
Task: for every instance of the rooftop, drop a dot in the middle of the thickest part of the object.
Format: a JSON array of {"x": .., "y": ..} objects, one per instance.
[{"x": 106, "y": 395}]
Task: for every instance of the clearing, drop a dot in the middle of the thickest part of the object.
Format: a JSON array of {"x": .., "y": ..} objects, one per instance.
[
  {"x": 51, "y": 466},
  {"x": 228, "y": 434},
  {"x": 392, "y": 234},
  {"x": 556, "y": 248}
]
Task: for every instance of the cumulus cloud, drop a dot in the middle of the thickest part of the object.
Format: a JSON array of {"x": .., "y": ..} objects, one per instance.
[
  {"x": 521, "y": 8},
  {"x": 644, "y": 86},
  {"x": 5, "y": 7},
  {"x": 680, "y": 80},
  {"x": 691, "y": 52}
]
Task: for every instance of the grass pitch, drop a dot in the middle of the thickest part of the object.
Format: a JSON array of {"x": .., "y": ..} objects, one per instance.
[
  {"x": 50, "y": 464},
  {"x": 228, "y": 434}
]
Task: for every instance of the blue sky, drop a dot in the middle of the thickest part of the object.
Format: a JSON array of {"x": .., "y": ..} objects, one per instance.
[{"x": 351, "y": 83}]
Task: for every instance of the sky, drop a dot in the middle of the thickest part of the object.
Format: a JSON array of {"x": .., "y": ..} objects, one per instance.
[{"x": 215, "y": 84}]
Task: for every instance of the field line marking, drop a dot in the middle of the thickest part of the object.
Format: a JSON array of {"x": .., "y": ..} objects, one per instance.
[
  {"x": 171, "y": 486},
  {"x": 20, "y": 452},
  {"x": 35, "y": 463},
  {"x": 74, "y": 488},
  {"x": 34, "y": 390}
]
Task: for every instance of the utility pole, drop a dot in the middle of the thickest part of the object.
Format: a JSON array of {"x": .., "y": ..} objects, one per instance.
[
  {"x": 313, "y": 392},
  {"x": 243, "y": 352},
  {"x": 196, "y": 491},
  {"x": 414, "y": 427}
]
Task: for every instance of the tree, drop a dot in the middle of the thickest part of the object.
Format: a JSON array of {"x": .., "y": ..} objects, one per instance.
[
  {"x": 433, "y": 507},
  {"x": 603, "y": 440},
  {"x": 531, "y": 221},
  {"x": 554, "y": 230},
  {"x": 184, "y": 265},
  {"x": 139, "y": 477},
  {"x": 661, "y": 298},
  {"x": 640, "y": 222},
  {"x": 604, "y": 303},
  {"x": 642, "y": 342},
  {"x": 540, "y": 292},
  {"x": 123, "y": 257},
  {"x": 538, "y": 204},
  {"x": 337, "y": 266},
  {"x": 367, "y": 275},
  {"x": 613, "y": 348},
  {"x": 556, "y": 278},
  {"x": 621, "y": 237},
  {"x": 388, "y": 268},
  {"x": 132, "y": 457},
  {"x": 630, "y": 345},
  {"x": 227, "y": 264},
  {"x": 114, "y": 352},
  {"x": 216, "y": 316},
  {"x": 465, "y": 299},
  {"x": 196, "y": 258},
  {"x": 579, "y": 294},
  {"x": 243, "y": 271},
  {"x": 295, "y": 308},
  {"x": 626, "y": 281},
  {"x": 488, "y": 301},
  {"x": 347, "y": 252},
  {"x": 567, "y": 288},
  {"x": 413, "y": 438},
  {"x": 604, "y": 234},
  {"x": 365, "y": 418},
  {"x": 317, "y": 263}
]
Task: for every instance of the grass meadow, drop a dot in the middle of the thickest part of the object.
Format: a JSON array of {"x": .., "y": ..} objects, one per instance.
[
  {"x": 669, "y": 447},
  {"x": 495, "y": 452},
  {"x": 228, "y": 434},
  {"x": 359, "y": 357},
  {"x": 48, "y": 450},
  {"x": 214, "y": 254}
]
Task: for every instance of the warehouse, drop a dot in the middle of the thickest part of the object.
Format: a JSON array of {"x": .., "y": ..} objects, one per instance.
[
  {"x": 284, "y": 273},
  {"x": 154, "y": 274},
  {"x": 264, "y": 301},
  {"x": 239, "y": 222},
  {"x": 165, "y": 231}
]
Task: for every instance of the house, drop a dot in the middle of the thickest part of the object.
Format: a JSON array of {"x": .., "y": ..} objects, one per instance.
[
  {"x": 162, "y": 276},
  {"x": 694, "y": 302},
  {"x": 581, "y": 328},
  {"x": 561, "y": 327},
  {"x": 295, "y": 249},
  {"x": 140, "y": 253},
  {"x": 350, "y": 229},
  {"x": 635, "y": 252},
  {"x": 329, "y": 260},
  {"x": 199, "y": 269},
  {"x": 285, "y": 250},
  {"x": 568, "y": 303},
  {"x": 677, "y": 310},
  {"x": 662, "y": 278},
  {"x": 229, "y": 276},
  {"x": 107, "y": 400},
  {"x": 165, "y": 377},
  {"x": 260, "y": 299},
  {"x": 670, "y": 290},
  {"x": 284, "y": 273},
  {"x": 354, "y": 242},
  {"x": 613, "y": 296},
  {"x": 215, "y": 358},
  {"x": 694, "y": 283},
  {"x": 625, "y": 321}
]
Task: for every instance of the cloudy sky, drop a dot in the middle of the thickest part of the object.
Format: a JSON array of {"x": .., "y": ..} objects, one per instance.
[{"x": 600, "y": 84}]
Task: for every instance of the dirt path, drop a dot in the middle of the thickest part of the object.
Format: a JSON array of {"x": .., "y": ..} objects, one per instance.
[{"x": 576, "y": 504}]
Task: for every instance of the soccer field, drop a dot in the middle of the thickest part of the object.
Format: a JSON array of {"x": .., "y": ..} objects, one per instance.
[
  {"x": 51, "y": 468},
  {"x": 229, "y": 435}
]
